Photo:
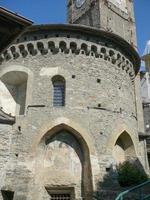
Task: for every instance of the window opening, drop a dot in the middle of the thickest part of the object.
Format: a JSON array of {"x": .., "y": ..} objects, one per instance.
[
  {"x": 60, "y": 196},
  {"x": 61, "y": 193},
  {"x": 58, "y": 91},
  {"x": 7, "y": 195}
]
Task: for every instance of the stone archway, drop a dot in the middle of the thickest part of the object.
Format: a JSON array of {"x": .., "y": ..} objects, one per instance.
[
  {"x": 64, "y": 161},
  {"x": 124, "y": 148},
  {"x": 16, "y": 87}
]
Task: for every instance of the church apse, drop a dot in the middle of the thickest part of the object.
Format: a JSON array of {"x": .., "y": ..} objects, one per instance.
[{"x": 65, "y": 139}]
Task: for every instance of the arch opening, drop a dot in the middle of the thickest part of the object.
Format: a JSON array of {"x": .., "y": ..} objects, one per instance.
[
  {"x": 124, "y": 149},
  {"x": 62, "y": 46},
  {"x": 66, "y": 161},
  {"x": 13, "y": 85}
]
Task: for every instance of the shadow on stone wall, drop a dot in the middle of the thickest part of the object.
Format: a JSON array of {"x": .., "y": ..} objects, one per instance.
[{"x": 109, "y": 188}]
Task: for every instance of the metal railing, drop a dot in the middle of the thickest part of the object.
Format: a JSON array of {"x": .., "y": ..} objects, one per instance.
[{"x": 137, "y": 190}]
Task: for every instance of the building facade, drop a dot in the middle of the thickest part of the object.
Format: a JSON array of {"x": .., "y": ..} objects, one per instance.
[
  {"x": 145, "y": 91},
  {"x": 69, "y": 107}
]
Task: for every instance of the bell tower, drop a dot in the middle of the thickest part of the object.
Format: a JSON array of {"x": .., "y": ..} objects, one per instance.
[{"x": 116, "y": 16}]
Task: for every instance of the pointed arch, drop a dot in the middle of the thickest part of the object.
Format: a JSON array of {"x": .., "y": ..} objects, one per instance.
[
  {"x": 70, "y": 124},
  {"x": 124, "y": 148},
  {"x": 121, "y": 127},
  {"x": 63, "y": 137},
  {"x": 85, "y": 143}
]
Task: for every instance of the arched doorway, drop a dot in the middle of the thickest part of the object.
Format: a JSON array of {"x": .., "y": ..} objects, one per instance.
[
  {"x": 64, "y": 160},
  {"x": 124, "y": 148}
]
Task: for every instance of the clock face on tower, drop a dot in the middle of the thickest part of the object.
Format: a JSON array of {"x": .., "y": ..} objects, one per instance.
[
  {"x": 120, "y": 4},
  {"x": 79, "y": 3}
]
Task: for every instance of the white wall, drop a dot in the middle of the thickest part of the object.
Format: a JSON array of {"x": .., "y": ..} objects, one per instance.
[{"x": 7, "y": 101}]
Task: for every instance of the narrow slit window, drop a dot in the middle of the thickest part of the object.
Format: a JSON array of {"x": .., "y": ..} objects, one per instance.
[{"x": 58, "y": 91}]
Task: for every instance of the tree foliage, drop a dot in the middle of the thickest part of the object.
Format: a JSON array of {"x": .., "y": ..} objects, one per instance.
[{"x": 129, "y": 174}]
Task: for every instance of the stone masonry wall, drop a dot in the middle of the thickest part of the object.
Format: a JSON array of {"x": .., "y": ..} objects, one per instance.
[{"x": 99, "y": 98}]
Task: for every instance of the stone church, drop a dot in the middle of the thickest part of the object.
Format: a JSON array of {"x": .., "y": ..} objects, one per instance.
[{"x": 70, "y": 103}]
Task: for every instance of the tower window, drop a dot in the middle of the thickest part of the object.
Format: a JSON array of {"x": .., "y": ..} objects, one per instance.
[{"x": 58, "y": 91}]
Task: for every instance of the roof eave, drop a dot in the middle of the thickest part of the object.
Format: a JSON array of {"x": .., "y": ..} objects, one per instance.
[{"x": 11, "y": 27}]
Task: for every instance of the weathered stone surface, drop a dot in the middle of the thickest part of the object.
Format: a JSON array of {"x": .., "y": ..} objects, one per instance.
[
  {"x": 99, "y": 109},
  {"x": 69, "y": 148},
  {"x": 107, "y": 15}
]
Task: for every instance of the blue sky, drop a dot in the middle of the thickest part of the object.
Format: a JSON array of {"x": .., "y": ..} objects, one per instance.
[{"x": 54, "y": 11}]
